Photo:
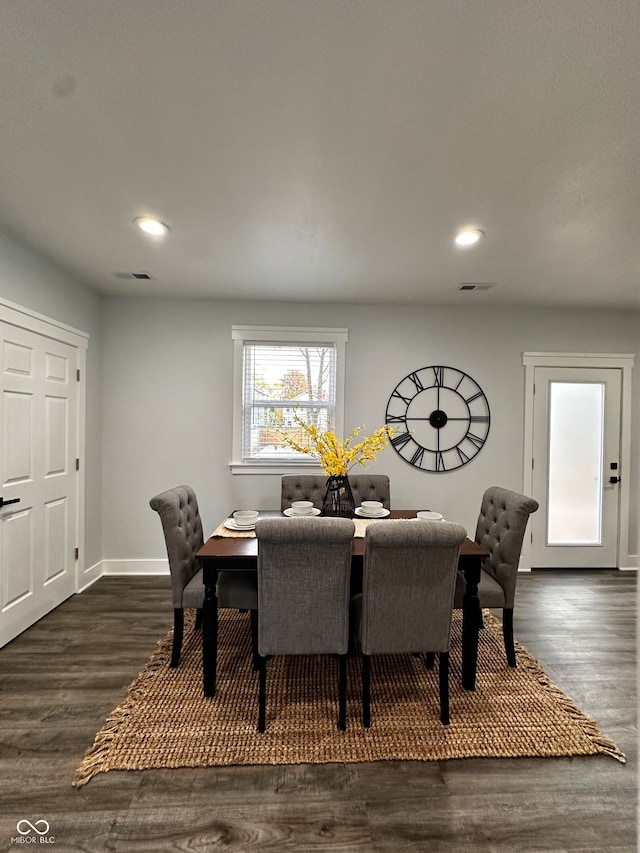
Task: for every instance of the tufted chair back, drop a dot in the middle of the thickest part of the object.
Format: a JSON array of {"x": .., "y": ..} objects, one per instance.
[
  {"x": 501, "y": 525},
  {"x": 303, "y": 585},
  {"x": 304, "y": 568},
  {"x": 407, "y": 587},
  {"x": 312, "y": 487},
  {"x": 180, "y": 516}
]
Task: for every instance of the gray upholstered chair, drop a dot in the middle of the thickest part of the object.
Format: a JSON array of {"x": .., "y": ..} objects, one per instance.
[
  {"x": 501, "y": 525},
  {"x": 304, "y": 567},
  {"x": 182, "y": 526},
  {"x": 406, "y": 602},
  {"x": 312, "y": 487}
]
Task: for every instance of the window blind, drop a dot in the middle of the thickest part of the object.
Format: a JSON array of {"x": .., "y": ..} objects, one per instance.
[{"x": 282, "y": 381}]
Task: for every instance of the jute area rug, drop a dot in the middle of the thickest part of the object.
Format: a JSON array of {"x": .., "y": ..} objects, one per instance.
[{"x": 164, "y": 720}]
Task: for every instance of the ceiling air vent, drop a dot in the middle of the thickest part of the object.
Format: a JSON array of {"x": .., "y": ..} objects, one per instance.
[
  {"x": 476, "y": 285},
  {"x": 144, "y": 275}
]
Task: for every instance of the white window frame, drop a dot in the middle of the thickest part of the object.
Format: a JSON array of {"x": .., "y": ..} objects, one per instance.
[{"x": 285, "y": 335}]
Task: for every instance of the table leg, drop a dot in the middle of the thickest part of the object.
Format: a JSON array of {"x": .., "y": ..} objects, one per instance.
[
  {"x": 471, "y": 622},
  {"x": 210, "y": 634}
]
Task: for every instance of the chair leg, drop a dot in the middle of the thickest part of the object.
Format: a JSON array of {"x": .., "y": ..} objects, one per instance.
[
  {"x": 178, "y": 630},
  {"x": 342, "y": 693},
  {"x": 262, "y": 699},
  {"x": 507, "y": 633},
  {"x": 429, "y": 660},
  {"x": 198, "y": 624},
  {"x": 443, "y": 672},
  {"x": 254, "y": 640},
  {"x": 366, "y": 691}
]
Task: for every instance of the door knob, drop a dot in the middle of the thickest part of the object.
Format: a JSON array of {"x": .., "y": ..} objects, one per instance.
[
  {"x": 615, "y": 479},
  {"x": 6, "y": 503}
]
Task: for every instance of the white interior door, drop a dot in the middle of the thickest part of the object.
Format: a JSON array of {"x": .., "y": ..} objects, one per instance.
[
  {"x": 576, "y": 467},
  {"x": 38, "y": 449}
]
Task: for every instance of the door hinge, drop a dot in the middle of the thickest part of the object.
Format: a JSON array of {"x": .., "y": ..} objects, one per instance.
[
  {"x": 76, "y": 553},
  {"x": 77, "y": 464},
  {"x": 78, "y": 375}
]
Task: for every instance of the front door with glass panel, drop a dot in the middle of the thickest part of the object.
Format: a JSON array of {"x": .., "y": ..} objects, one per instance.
[{"x": 576, "y": 458}]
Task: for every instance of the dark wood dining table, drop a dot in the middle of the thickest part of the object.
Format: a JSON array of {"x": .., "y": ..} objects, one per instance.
[{"x": 240, "y": 554}]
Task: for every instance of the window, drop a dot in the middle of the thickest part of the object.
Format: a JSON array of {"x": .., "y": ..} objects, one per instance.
[{"x": 281, "y": 373}]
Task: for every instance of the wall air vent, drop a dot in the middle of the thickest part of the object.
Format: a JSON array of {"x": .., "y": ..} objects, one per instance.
[
  {"x": 143, "y": 275},
  {"x": 476, "y": 285}
]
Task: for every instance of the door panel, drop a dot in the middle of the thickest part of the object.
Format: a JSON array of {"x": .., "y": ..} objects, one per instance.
[
  {"x": 576, "y": 443},
  {"x": 56, "y": 528},
  {"x": 39, "y": 440},
  {"x": 17, "y": 557},
  {"x": 56, "y": 434}
]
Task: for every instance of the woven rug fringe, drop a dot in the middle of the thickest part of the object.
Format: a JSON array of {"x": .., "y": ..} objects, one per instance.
[
  {"x": 94, "y": 759},
  {"x": 590, "y": 727}
]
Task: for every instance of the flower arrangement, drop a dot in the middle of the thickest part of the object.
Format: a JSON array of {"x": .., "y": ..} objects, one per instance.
[{"x": 338, "y": 456}]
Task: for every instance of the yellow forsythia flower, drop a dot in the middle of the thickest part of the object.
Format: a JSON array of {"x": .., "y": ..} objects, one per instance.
[{"x": 337, "y": 456}]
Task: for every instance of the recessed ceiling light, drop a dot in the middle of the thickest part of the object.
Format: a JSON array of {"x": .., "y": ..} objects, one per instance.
[
  {"x": 151, "y": 226},
  {"x": 469, "y": 236}
]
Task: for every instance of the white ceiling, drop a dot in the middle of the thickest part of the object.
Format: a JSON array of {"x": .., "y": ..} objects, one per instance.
[{"x": 328, "y": 149}]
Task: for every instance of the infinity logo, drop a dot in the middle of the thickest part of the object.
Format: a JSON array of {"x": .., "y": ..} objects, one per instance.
[{"x": 32, "y": 827}]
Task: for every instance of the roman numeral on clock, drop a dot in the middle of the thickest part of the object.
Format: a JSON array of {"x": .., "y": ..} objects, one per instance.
[
  {"x": 416, "y": 459},
  {"x": 399, "y": 441},
  {"x": 475, "y": 439},
  {"x": 416, "y": 381},
  {"x": 399, "y": 396}
]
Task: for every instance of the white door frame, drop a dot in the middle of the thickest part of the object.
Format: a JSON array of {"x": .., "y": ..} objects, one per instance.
[
  {"x": 25, "y": 318},
  {"x": 625, "y": 362}
]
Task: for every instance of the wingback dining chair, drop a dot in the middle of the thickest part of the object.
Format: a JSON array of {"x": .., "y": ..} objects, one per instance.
[
  {"x": 304, "y": 569},
  {"x": 182, "y": 526},
  {"x": 312, "y": 487},
  {"x": 501, "y": 525},
  {"x": 406, "y": 602}
]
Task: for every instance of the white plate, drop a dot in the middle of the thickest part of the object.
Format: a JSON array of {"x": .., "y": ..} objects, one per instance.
[
  {"x": 382, "y": 514},
  {"x": 231, "y": 525},
  {"x": 289, "y": 512},
  {"x": 427, "y": 519}
]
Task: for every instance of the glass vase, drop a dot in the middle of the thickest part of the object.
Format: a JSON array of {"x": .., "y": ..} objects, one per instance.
[{"x": 338, "y": 499}]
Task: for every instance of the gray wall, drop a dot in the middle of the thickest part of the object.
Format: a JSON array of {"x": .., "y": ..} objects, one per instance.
[
  {"x": 32, "y": 281},
  {"x": 168, "y": 397},
  {"x": 159, "y": 392}
]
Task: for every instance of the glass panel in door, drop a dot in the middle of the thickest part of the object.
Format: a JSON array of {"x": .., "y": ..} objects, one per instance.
[
  {"x": 576, "y": 435},
  {"x": 576, "y": 446}
]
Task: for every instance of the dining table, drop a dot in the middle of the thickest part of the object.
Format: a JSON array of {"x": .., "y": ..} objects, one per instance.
[{"x": 230, "y": 551}]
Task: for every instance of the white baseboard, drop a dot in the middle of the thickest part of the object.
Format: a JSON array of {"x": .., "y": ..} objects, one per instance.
[
  {"x": 135, "y": 567},
  {"x": 631, "y": 563},
  {"x": 89, "y": 576},
  {"x": 131, "y": 568}
]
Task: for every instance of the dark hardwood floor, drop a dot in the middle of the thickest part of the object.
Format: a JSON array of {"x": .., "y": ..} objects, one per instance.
[{"x": 60, "y": 679}]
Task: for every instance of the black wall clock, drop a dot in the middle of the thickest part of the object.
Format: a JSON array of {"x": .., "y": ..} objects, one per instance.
[{"x": 440, "y": 416}]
